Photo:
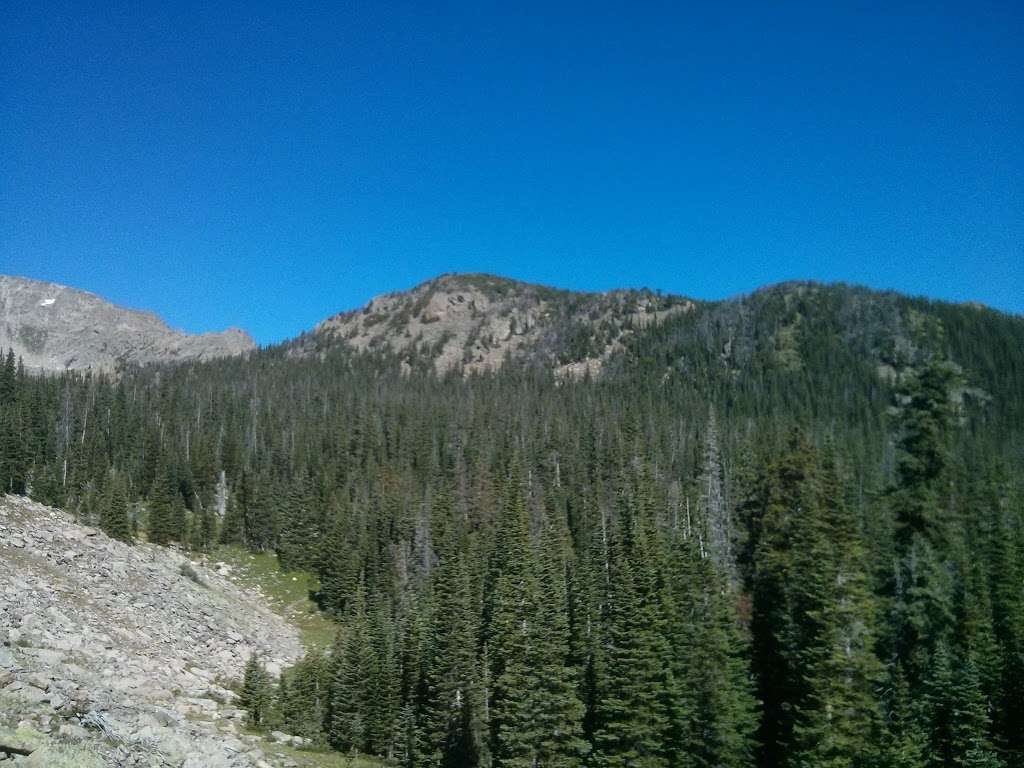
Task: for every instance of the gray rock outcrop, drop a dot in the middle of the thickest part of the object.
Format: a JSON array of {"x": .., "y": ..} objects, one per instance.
[
  {"x": 55, "y": 328},
  {"x": 476, "y": 322}
]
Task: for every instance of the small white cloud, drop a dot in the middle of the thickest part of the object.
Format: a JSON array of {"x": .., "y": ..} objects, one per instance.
[{"x": 46, "y": 302}]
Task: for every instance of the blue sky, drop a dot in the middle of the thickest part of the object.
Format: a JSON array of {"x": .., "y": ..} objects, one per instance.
[{"x": 268, "y": 165}]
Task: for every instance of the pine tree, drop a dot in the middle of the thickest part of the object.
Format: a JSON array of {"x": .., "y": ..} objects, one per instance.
[
  {"x": 451, "y": 670},
  {"x": 296, "y": 546},
  {"x": 385, "y": 701},
  {"x": 1006, "y": 570},
  {"x": 716, "y": 713},
  {"x": 922, "y": 591},
  {"x": 717, "y": 523},
  {"x": 302, "y": 696},
  {"x": 232, "y": 530},
  {"x": 8, "y": 379},
  {"x": 163, "y": 501},
  {"x": 838, "y": 723},
  {"x": 257, "y": 693},
  {"x": 558, "y": 710},
  {"x": 784, "y": 614},
  {"x": 970, "y": 739},
  {"x": 114, "y": 519},
  {"x": 907, "y": 740},
  {"x": 351, "y": 691},
  {"x": 15, "y": 455},
  {"x": 535, "y": 715},
  {"x": 635, "y": 705}
]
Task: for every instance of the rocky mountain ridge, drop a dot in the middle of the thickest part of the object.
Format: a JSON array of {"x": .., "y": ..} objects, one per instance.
[
  {"x": 52, "y": 327},
  {"x": 475, "y": 322},
  {"x": 121, "y": 655}
]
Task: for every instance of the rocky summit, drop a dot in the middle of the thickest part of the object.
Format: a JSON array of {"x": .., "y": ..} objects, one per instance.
[
  {"x": 118, "y": 655},
  {"x": 477, "y": 322},
  {"x": 53, "y": 328}
]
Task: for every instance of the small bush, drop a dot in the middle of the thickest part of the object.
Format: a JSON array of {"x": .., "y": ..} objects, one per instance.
[{"x": 189, "y": 573}]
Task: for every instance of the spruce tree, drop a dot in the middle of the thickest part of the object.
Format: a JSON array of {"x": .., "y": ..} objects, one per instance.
[
  {"x": 163, "y": 503},
  {"x": 838, "y": 722},
  {"x": 922, "y": 586},
  {"x": 635, "y": 688},
  {"x": 256, "y": 695},
  {"x": 451, "y": 678},
  {"x": 351, "y": 692},
  {"x": 114, "y": 519}
]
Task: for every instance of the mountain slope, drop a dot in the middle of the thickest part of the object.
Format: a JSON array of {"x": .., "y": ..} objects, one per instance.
[
  {"x": 739, "y": 471},
  {"x": 480, "y": 323},
  {"x": 475, "y": 323},
  {"x": 54, "y": 328}
]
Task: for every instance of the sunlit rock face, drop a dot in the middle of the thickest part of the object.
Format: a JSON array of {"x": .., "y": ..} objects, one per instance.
[{"x": 55, "y": 328}]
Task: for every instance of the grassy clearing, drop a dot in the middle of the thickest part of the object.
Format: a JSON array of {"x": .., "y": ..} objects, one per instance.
[
  {"x": 309, "y": 759},
  {"x": 315, "y": 757},
  {"x": 286, "y": 593}
]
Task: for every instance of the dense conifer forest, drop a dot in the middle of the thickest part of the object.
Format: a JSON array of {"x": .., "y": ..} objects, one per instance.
[{"x": 780, "y": 531}]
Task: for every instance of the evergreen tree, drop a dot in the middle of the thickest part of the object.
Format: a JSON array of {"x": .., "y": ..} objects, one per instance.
[
  {"x": 786, "y": 617},
  {"x": 114, "y": 518},
  {"x": 922, "y": 591},
  {"x": 163, "y": 503},
  {"x": 448, "y": 733},
  {"x": 302, "y": 697},
  {"x": 295, "y": 546},
  {"x": 256, "y": 695},
  {"x": 635, "y": 706},
  {"x": 839, "y": 721},
  {"x": 351, "y": 691}
]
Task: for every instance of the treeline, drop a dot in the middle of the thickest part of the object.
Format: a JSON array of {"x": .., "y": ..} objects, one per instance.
[{"x": 766, "y": 542}]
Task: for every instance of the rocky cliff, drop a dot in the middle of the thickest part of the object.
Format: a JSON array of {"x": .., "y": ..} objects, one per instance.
[
  {"x": 121, "y": 655},
  {"x": 474, "y": 323},
  {"x": 53, "y": 328}
]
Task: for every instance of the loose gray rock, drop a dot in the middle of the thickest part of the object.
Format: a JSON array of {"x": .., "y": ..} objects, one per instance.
[{"x": 110, "y": 648}]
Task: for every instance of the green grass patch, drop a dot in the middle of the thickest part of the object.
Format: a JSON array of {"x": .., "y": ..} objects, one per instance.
[
  {"x": 313, "y": 759},
  {"x": 287, "y": 594}
]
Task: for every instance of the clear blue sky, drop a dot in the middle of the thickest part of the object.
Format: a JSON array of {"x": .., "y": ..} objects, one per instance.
[{"x": 268, "y": 165}]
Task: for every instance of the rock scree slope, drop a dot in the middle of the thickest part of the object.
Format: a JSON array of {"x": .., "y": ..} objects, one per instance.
[{"x": 120, "y": 655}]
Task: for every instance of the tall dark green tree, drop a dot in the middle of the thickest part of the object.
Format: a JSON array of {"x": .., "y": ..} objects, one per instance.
[
  {"x": 351, "y": 694},
  {"x": 636, "y": 703},
  {"x": 922, "y": 584},
  {"x": 256, "y": 696},
  {"x": 114, "y": 517}
]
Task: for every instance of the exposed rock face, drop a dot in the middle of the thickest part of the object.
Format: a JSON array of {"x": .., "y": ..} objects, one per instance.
[
  {"x": 476, "y": 322},
  {"x": 114, "y": 649},
  {"x": 54, "y": 328}
]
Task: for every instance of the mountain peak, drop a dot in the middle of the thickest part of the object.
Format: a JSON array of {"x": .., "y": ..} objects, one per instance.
[
  {"x": 475, "y": 322},
  {"x": 53, "y": 327}
]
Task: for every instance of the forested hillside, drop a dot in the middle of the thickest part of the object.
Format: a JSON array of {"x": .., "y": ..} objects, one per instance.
[{"x": 783, "y": 530}]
